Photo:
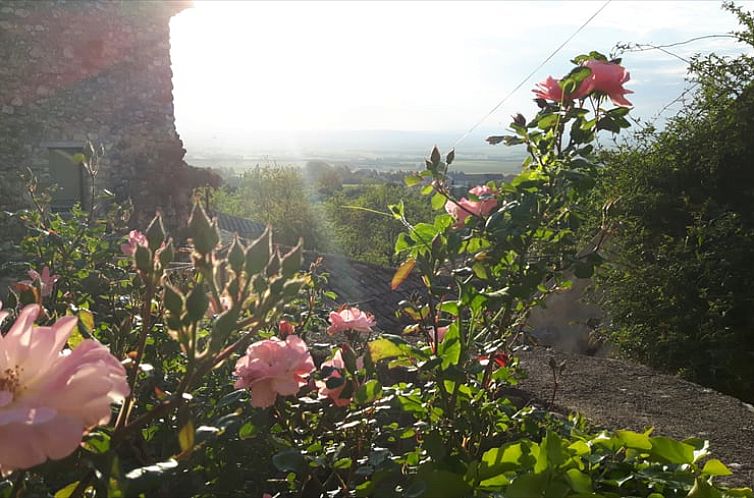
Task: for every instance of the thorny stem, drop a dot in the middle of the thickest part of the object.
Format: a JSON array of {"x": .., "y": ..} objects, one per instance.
[
  {"x": 18, "y": 484},
  {"x": 146, "y": 319}
]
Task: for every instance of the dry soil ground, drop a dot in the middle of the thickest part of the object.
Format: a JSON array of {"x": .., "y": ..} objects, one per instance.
[{"x": 618, "y": 394}]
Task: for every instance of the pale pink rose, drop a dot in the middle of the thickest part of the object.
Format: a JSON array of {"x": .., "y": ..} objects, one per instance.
[
  {"x": 465, "y": 207},
  {"x": 350, "y": 319},
  {"x": 49, "y": 397},
  {"x": 46, "y": 281},
  {"x": 550, "y": 89},
  {"x": 135, "y": 239},
  {"x": 337, "y": 364},
  {"x": 273, "y": 367},
  {"x": 608, "y": 78}
]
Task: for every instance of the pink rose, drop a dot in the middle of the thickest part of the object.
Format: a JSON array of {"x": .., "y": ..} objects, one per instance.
[
  {"x": 273, "y": 367},
  {"x": 135, "y": 239},
  {"x": 46, "y": 281},
  {"x": 550, "y": 89},
  {"x": 350, "y": 319},
  {"x": 49, "y": 399},
  {"x": 465, "y": 207},
  {"x": 608, "y": 78},
  {"x": 337, "y": 365}
]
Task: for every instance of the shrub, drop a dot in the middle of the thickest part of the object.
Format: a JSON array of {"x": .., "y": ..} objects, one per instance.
[
  {"x": 377, "y": 415},
  {"x": 677, "y": 291}
]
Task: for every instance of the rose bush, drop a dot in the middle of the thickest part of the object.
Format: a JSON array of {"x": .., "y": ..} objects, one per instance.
[{"x": 223, "y": 395}]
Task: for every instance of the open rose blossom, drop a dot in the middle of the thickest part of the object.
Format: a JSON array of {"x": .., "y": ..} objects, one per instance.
[
  {"x": 49, "y": 397},
  {"x": 608, "y": 78},
  {"x": 135, "y": 239},
  {"x": 46, "y": 281},
  {"x": 273, "y": 367},
  {"x": 465, "y": 207},
  {"x": 350, "y": 319},
  {"x": 550, "y": 89},
  {"x": 336, "y": 364}
]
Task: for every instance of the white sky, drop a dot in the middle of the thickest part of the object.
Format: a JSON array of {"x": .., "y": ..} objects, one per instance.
[{"x": 440, "y": 66}]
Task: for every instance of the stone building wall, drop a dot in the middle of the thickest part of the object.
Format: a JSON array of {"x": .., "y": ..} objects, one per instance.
[{"x": 99, "y": 71}]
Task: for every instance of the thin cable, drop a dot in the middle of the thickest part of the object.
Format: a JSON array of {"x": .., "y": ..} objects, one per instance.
[{"x": 523, "y": 82}]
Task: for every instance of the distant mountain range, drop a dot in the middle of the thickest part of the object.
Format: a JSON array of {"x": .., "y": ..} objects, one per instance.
[{"x": 387, "y": 143}]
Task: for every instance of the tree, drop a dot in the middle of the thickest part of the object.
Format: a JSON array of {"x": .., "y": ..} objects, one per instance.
[
  {"x": 361, "y": 233},
  {"x": 678, "y": 291},
  {"x": 277, "y": 196}
]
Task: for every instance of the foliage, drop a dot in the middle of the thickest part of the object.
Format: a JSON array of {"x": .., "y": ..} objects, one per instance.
[
  {"x": 361, "y": 229},
  {"x": 276, "y": 196},
  {"x": 677, "y": 291},
  {"x": 424, "y": 416}
]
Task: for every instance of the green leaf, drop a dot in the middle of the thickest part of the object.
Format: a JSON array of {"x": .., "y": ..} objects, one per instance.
[
  {"x": 97, "y": 442},
  {"x": 411, "y": 180},
  {"x": 343, "y": 463},
  {"x": 435, "y": 446},
  {"x": 548, "y": 121},
  {"x": 247, "y": 430},
  {"x": 392, "y": 347},
  {"x": 634, "y": 440},
  {"x": 450, "y": 307},
  {"x": 290, "y": 460},
  {"x": 551, "y": 453},
  {"x": 671, "y": 451},
  {"x": 715, "y": 467},
  {"x": 507, "y": 458},
  {"x": 443, "y": 483},
  {"x": 66, "y": 491},
  {"x": 527, "y": 486},
  {"x": 438, "y": 201},
  {"x": 368, "y": 392},
  {"x": 449, "y": 348},
  {"x": 580, "y": 482}
]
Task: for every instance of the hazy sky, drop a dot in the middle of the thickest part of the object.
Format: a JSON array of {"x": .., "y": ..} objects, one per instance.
[{"x": 255, "y": 67}]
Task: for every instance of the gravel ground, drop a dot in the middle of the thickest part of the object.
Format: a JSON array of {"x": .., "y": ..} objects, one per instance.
[{"x": 619, "y": 394}]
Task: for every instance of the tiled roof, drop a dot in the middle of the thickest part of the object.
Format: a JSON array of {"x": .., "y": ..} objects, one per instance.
[
  {"x": 367, "y": 286},
  {"x": 246, "y": 229}
]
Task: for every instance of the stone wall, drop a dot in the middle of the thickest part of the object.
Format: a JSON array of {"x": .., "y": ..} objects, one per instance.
[{"x": 99, "y": 71}]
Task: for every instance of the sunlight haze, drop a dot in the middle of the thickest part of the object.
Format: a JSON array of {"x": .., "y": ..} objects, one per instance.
[{"x": 261, "y": 69}]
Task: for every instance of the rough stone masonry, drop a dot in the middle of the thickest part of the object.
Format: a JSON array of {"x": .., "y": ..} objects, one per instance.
[{"x": 99, "y": 71}]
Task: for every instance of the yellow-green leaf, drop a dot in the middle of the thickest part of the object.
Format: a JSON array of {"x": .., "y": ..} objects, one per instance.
[
  {"x": 186, "y": 436},
  {"x": 86, "y": 318},
  {"x": 715, "y": 467},
  {"x": 67, "y": 490},
  {"x": 402, "y": 273}
]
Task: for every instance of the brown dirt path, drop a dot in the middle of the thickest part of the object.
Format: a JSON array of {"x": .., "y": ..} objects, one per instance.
[{"x": 619, "y": 394}]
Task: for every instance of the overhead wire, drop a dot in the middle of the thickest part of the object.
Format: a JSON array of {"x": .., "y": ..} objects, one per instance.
[{"x": 532, "y": 73}]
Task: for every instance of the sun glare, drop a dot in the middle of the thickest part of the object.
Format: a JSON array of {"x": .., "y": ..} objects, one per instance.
[{"x": 243, "y": 67}]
